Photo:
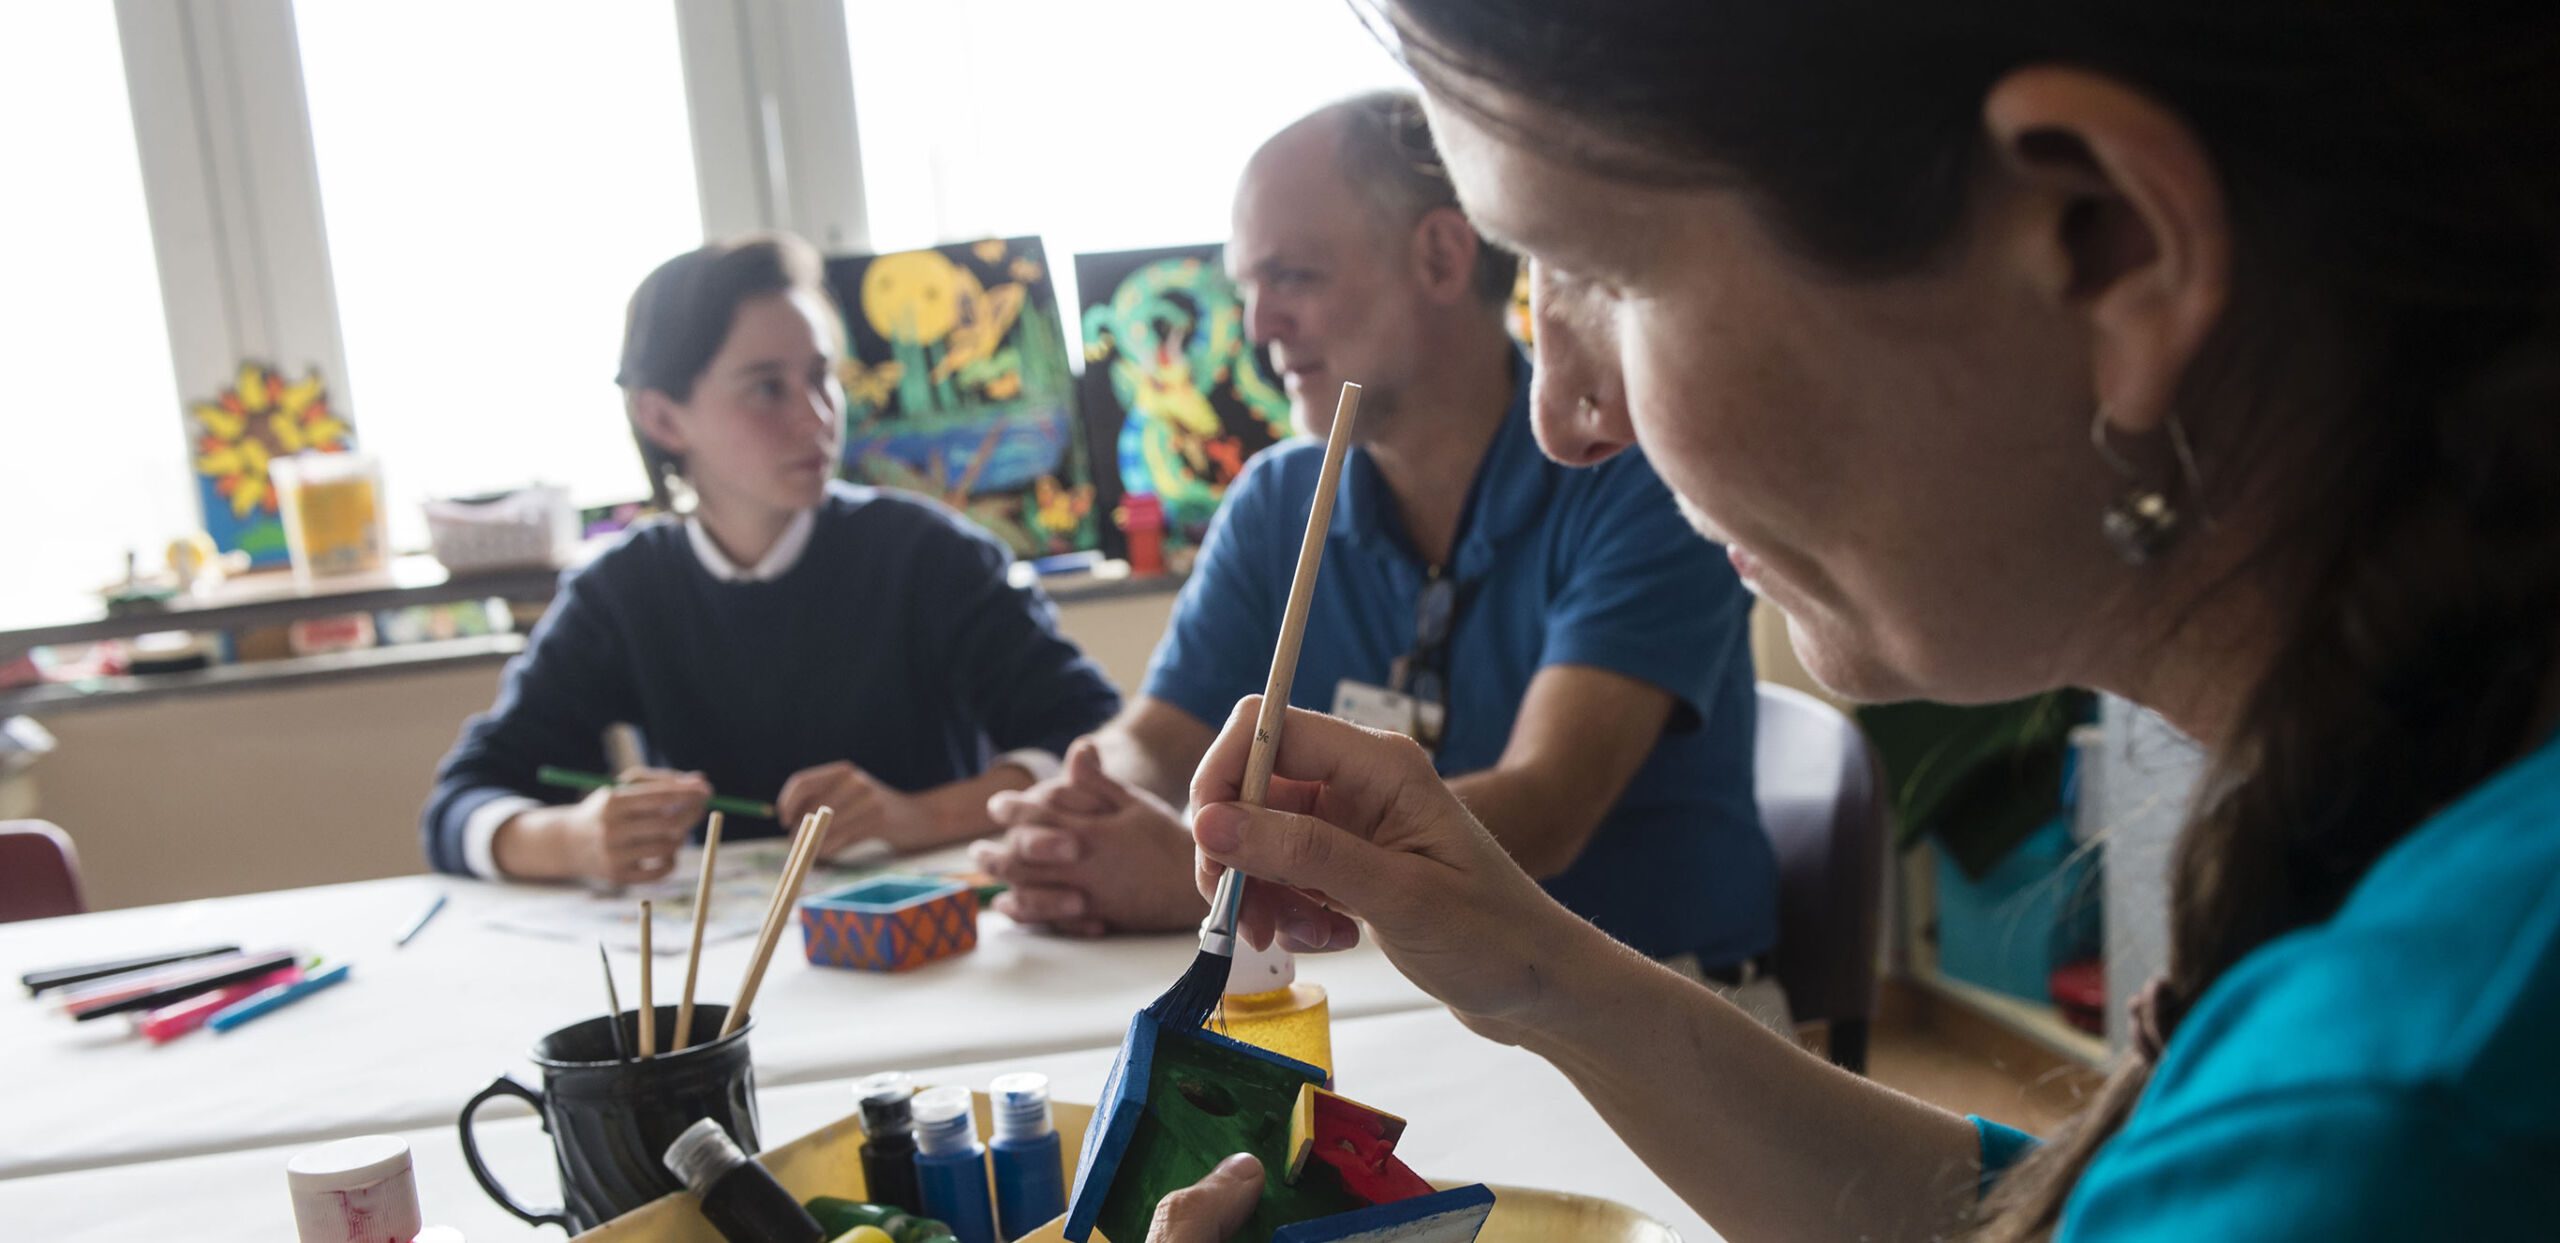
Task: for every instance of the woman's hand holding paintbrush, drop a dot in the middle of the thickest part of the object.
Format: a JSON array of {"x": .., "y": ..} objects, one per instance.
[
  {"x": 1187, "y": 1003},
  {"x": 1357, "y": 828}
]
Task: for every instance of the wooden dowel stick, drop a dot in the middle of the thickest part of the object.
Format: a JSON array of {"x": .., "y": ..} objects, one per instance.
[
  {"x": 647, "y": 1020},
  {"x": 786, "y": 894},
  {"x": 701, "y": 913},
  {"x": 767, "y": 928},
  {"x": 1293, "y": 622}
]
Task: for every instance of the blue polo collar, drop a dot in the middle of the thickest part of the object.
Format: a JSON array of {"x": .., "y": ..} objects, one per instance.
[{"x": 1510, "y": 491}]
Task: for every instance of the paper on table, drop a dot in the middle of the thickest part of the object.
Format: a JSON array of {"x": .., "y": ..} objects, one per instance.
[{"x": 747, "y": 874}]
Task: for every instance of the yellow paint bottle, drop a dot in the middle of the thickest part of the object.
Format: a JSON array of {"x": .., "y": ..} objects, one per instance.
[{"x": 1266, "y": 1005}]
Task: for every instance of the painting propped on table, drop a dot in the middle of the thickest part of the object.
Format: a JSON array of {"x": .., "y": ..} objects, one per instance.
[
  {"x": 1175, "y": 401},
  {"x": 957, "y": 386},
  {"x": 234, "y": 436}
]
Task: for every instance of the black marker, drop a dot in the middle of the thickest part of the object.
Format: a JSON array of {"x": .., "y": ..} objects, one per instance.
[{"x": 58, "y": 977}]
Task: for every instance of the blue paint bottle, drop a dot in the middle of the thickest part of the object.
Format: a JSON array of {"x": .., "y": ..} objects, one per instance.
[
  {"x": 1031, "y": 1175},
  {"x": 951, "y": 1165}
]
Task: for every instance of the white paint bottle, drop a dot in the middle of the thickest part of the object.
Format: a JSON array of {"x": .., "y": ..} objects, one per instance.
[{"x": 359, "y": 1190}]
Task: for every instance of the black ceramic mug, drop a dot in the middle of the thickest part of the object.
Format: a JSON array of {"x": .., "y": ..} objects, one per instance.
[{"x": 610, "y": 1120}]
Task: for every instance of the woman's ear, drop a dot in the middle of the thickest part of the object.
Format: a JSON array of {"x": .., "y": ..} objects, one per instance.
[
  {"x": 2122, "y": 224},
  {"x": 657, "y": 417}
]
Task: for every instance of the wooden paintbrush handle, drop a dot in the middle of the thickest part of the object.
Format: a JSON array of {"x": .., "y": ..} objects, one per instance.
[
  {"x": 647, "y": 1020},
  {"x": 701, "y": 913},
  {"x": 786, "y": 894},
  {"x": 1302, "y": 590}
]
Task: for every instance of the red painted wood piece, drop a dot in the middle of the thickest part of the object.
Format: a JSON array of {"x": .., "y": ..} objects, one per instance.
[{"x": 1356, "y": 1142}]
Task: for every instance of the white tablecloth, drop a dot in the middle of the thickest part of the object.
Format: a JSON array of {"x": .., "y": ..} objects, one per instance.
[
  {"x": 414, "y": 1032},
  {"x": 1477, "y": 1111}
]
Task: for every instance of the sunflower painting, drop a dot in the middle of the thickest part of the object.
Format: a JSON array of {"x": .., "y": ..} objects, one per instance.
[
  {"x": 957, "y": 386},
  {"x": 261, "y": 417}
]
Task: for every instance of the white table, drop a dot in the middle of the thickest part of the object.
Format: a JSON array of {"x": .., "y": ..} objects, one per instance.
[
  {"x": 414, "y": 1032},
  {"x": 1478, "y": 1111}
]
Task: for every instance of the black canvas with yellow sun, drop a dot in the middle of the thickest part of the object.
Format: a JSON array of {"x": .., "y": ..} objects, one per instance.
[{"x": 957, "y": 386}]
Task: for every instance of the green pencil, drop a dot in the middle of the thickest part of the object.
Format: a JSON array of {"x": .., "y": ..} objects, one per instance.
[{"x": 571, "y": 779}]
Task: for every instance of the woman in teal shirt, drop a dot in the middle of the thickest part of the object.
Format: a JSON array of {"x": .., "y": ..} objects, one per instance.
[{"x": 2204, "y": 351}]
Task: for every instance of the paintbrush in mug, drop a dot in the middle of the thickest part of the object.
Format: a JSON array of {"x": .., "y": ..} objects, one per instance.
[
  {"x": 645, "y": 1023},
  {"x": 1187, "y": 1003},
  {"x": 613, "y": 998},
  {"x": 571, "y": 779}
]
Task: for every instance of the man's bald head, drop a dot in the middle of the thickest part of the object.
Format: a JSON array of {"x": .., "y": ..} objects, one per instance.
[{"x": 1377, "y": 146}]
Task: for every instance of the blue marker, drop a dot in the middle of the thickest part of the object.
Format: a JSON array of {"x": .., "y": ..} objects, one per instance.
[
  {"x": 951, "y": 1165},
  {"x": 276, "y": 998},
  {"x": 1031, "y": 1174}
]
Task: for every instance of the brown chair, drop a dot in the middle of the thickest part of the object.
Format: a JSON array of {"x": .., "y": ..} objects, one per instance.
[
  {"x": 1823, "y": 807},
  {"x": 39, "y": 872}
]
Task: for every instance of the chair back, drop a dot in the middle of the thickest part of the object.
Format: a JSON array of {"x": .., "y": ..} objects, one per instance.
[
  {"x": 39, "y": 872},
  {"x": 1824, "y": 810}
]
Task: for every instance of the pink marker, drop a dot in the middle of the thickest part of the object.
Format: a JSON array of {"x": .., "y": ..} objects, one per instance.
[{"x": 170, "y": 1022}]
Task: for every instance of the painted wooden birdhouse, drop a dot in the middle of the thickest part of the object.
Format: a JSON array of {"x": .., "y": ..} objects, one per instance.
[{"x": 1180, "y": 1100}]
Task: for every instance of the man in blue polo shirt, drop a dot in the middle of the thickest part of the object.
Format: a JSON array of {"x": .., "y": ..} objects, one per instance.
[{"x": 1536, "y": 626}]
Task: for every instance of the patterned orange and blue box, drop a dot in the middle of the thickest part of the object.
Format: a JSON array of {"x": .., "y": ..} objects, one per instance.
[{"x": 890, "y": 923}]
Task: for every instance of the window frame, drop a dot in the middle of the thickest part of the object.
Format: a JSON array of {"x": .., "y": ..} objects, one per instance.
[{"x": 231, "y": 182}]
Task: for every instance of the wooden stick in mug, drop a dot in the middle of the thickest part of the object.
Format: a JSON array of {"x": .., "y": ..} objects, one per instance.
[
  {"x": 647, "y": 1019},
  {"x": 786, "y": 894},
  {"x": 701, "y": 913}
]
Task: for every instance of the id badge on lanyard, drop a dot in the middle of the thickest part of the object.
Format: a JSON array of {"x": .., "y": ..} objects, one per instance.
[{"x": 1376, "y": 707}]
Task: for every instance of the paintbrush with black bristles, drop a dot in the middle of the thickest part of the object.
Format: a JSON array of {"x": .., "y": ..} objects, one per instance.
[
  {"x": 1186, "y": 1005},
  {"x": 613, "y": 998},
  {"x": 1188, "y": 1002}
]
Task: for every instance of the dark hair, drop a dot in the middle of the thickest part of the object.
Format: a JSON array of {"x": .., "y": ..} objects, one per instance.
[
  {"x": 681, "y": 314},
  {"x": 2385, "y": 380},
  {"x": 1387, "y": 154}
]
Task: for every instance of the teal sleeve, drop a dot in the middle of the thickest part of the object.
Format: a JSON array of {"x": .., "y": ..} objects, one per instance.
[
  {"x": 2001, "y": 1148},
  {"x": 2332, "y": 1164}
]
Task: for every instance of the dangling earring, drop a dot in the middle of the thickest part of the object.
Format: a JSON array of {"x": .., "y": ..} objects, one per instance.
[{"x": 2142, "y": 522}]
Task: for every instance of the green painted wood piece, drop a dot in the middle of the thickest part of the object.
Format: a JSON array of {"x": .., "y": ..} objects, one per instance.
[{"x": 1208, "y": 1098}]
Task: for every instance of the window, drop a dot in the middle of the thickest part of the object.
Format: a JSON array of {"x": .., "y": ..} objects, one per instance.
[
  {"x": 1105, "y": 126},
  {"x": 497, "y": 176},
  {"x": 95, "y": 445}
]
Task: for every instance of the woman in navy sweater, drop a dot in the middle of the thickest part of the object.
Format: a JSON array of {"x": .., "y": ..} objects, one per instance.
[{"x": 793, "y": 638}]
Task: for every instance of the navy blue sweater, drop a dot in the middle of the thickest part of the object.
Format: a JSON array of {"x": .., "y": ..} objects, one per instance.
[{"x": 895, "y": 643}]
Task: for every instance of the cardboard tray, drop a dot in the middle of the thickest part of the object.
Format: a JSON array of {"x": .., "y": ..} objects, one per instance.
[{"x": 828, "y": 1161}]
